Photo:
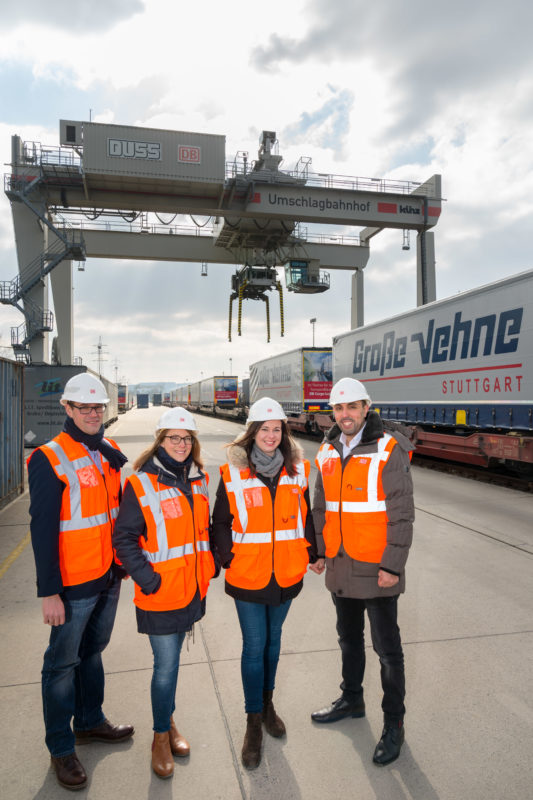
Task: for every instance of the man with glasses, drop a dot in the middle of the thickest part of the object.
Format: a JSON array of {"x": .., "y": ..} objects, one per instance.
[
  {"x": 75, "y": 490},
  {"x": 363, "y": 513}
]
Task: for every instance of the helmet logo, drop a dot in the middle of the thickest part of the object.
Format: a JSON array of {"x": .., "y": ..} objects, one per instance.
[
  {"x": 182, "y": 419},
  {"x": 92, "y": 391},
  {"x": 269, "y": 410},
  {"x": 341, "y": 392}
]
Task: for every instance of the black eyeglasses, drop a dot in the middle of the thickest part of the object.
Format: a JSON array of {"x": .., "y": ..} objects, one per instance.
[
  {"x": 86, "y": 410},
  {"x": 180, "y": 439}
]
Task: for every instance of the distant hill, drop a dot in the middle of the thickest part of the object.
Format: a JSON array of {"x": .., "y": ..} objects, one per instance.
[{"x": 164, "y": 387}]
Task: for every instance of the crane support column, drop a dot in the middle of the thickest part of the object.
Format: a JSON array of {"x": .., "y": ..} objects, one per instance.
[
  {"x": 358, "y": 299},
  {"x": 61, "y": 281},
  {"x": 31, "y": 243},
  {"x": 426, "y": 290}
]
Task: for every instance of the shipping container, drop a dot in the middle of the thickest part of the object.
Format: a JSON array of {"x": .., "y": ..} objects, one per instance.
[
  {"x": 245, "y": 392},
  {"x": 466, "y": 360},
  {"x": 44, "y": 416},
  {"x": 157, "y": 399},
  {"x": 12, "y": 430},
  {"x": 218, "y": 392},
  {"x": 143, "y": 401},
  {"x": 123, "y": 398},
  {"x": 299, "y": 380},
  {"x": 194, "y": 395}
]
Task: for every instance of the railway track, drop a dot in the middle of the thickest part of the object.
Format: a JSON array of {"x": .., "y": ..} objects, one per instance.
[{"x": 497, "y": 476}]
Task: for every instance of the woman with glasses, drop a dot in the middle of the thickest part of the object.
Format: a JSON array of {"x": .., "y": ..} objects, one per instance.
[
  {"x": 262, "y": 532},
  {"x": 162, "y": 538}
]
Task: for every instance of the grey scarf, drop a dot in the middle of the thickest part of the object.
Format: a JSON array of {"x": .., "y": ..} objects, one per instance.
[{"x": 266, "y": 465}]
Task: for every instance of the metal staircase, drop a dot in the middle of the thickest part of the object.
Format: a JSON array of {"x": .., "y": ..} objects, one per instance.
[{"x": 69, "y": 244}]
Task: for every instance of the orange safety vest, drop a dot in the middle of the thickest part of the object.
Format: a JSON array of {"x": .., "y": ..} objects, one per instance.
[
  {"x": 267, "y": 537},
  {"x": 89, "y": 508},
  {"x": 355, "y": 501},
  {"x": 176, "y": 542}
]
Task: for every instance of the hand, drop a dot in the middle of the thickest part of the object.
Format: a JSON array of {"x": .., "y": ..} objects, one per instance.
[
  {"x": 386, "y": 580},
  {"x": 319, "y": 566},
  {"x": 53, "y": 610}
]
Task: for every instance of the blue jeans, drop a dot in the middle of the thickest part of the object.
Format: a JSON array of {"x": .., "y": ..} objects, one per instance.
[
  {"x": 382, "y": 614},
  {"x": 166, "y": 650},
  {"x": 73, "y": 674},
  {"x": 261, "y": 639}
]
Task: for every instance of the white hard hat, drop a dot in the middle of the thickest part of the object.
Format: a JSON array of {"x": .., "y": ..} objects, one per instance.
[
  {"x": 348, "y": 390},
  {"x": 264, "y": 409},
  {"x": 84, "y": 388},
  {"x": 176, "y": 418}
]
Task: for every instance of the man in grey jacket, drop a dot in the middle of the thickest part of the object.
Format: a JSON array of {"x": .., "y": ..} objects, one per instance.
[{"x": 363, "y": 513}]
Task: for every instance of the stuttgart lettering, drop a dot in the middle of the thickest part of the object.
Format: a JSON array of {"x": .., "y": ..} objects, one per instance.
[{"x": 492, "y": 334}]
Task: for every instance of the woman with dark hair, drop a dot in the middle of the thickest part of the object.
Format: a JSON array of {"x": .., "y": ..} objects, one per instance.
[
  {"x": 161, "y": 537},
  {"x": 262, "y": 532}
]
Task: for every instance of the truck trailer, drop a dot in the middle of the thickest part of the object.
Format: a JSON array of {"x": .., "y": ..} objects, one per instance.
[
  {"x": 460, "y": 370},
  {"x": 300, "y": 380}
]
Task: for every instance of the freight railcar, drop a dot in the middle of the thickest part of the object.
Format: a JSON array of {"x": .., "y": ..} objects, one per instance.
[
  {"x": 300, "y": 380},
  {"x": 458, "y": 370}
]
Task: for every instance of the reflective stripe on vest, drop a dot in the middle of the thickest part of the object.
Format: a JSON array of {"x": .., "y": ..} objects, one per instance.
[
  {"x": 152, "y": 499},
  {"x": 268, "y": 532},
  {"x": 364, "y": 533},
  {"x": 89, "y": 506},
  {"x": 187, "y": 566},
  {"x": 69, "y": 470},
  {"x": 237, "y": 485}
]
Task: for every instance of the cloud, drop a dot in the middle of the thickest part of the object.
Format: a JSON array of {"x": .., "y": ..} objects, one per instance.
[
  {"x": 431, "y": 53},
  {"x": 74, "y": 17},
  {"x": 326, "y": 127}
]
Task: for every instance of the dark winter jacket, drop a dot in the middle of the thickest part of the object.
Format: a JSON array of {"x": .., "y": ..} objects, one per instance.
[{"x": 344, "y": 575}]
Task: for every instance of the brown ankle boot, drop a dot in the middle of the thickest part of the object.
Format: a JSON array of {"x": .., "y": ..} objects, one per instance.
[
  {"x": 178, "y": 743},
  {"x": 251, "y": 749},
  {"x": 274, "y": 725},
  {"x": 162, "y": 761}
]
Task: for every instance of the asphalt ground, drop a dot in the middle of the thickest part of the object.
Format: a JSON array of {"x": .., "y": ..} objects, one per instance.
[{"x": 467, "y": 631}]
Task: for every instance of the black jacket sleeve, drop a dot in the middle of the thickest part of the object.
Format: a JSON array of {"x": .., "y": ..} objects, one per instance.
[
  {"x": 222, "y": 524},
  {"x": 129, "y": 527},
  {"x": 46, "y": 492}
]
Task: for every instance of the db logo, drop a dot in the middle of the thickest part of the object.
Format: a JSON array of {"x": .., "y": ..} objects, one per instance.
[{"x": 190, "y": 155}]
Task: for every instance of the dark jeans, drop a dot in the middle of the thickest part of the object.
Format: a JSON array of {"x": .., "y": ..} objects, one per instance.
[
  {"x": 382, "y": 614},
  {"x": 166, "y": 650},
  {"x": 73, "y": 674},
  {"x": 261, "y": 638}
]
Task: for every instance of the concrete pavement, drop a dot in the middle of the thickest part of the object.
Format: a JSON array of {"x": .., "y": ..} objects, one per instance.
[{"x": 467, "y": 629}]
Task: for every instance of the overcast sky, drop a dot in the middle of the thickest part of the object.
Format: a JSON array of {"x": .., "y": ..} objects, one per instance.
[{"x": 389, "y": 89}]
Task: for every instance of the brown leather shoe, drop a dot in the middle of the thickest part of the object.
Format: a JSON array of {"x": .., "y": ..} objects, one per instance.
[
  {"x": 162, "y": 761},
  {"x": 69, "y": 772},
  {"x": 106, "y": 732},
  {"x": 178, "y": 744}
]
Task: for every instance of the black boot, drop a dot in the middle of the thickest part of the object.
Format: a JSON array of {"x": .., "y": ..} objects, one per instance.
[
  {"x": 273, "y": 724},
  {"x": 389, "y": 746},
  {"x": 251, "y": 748}
]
